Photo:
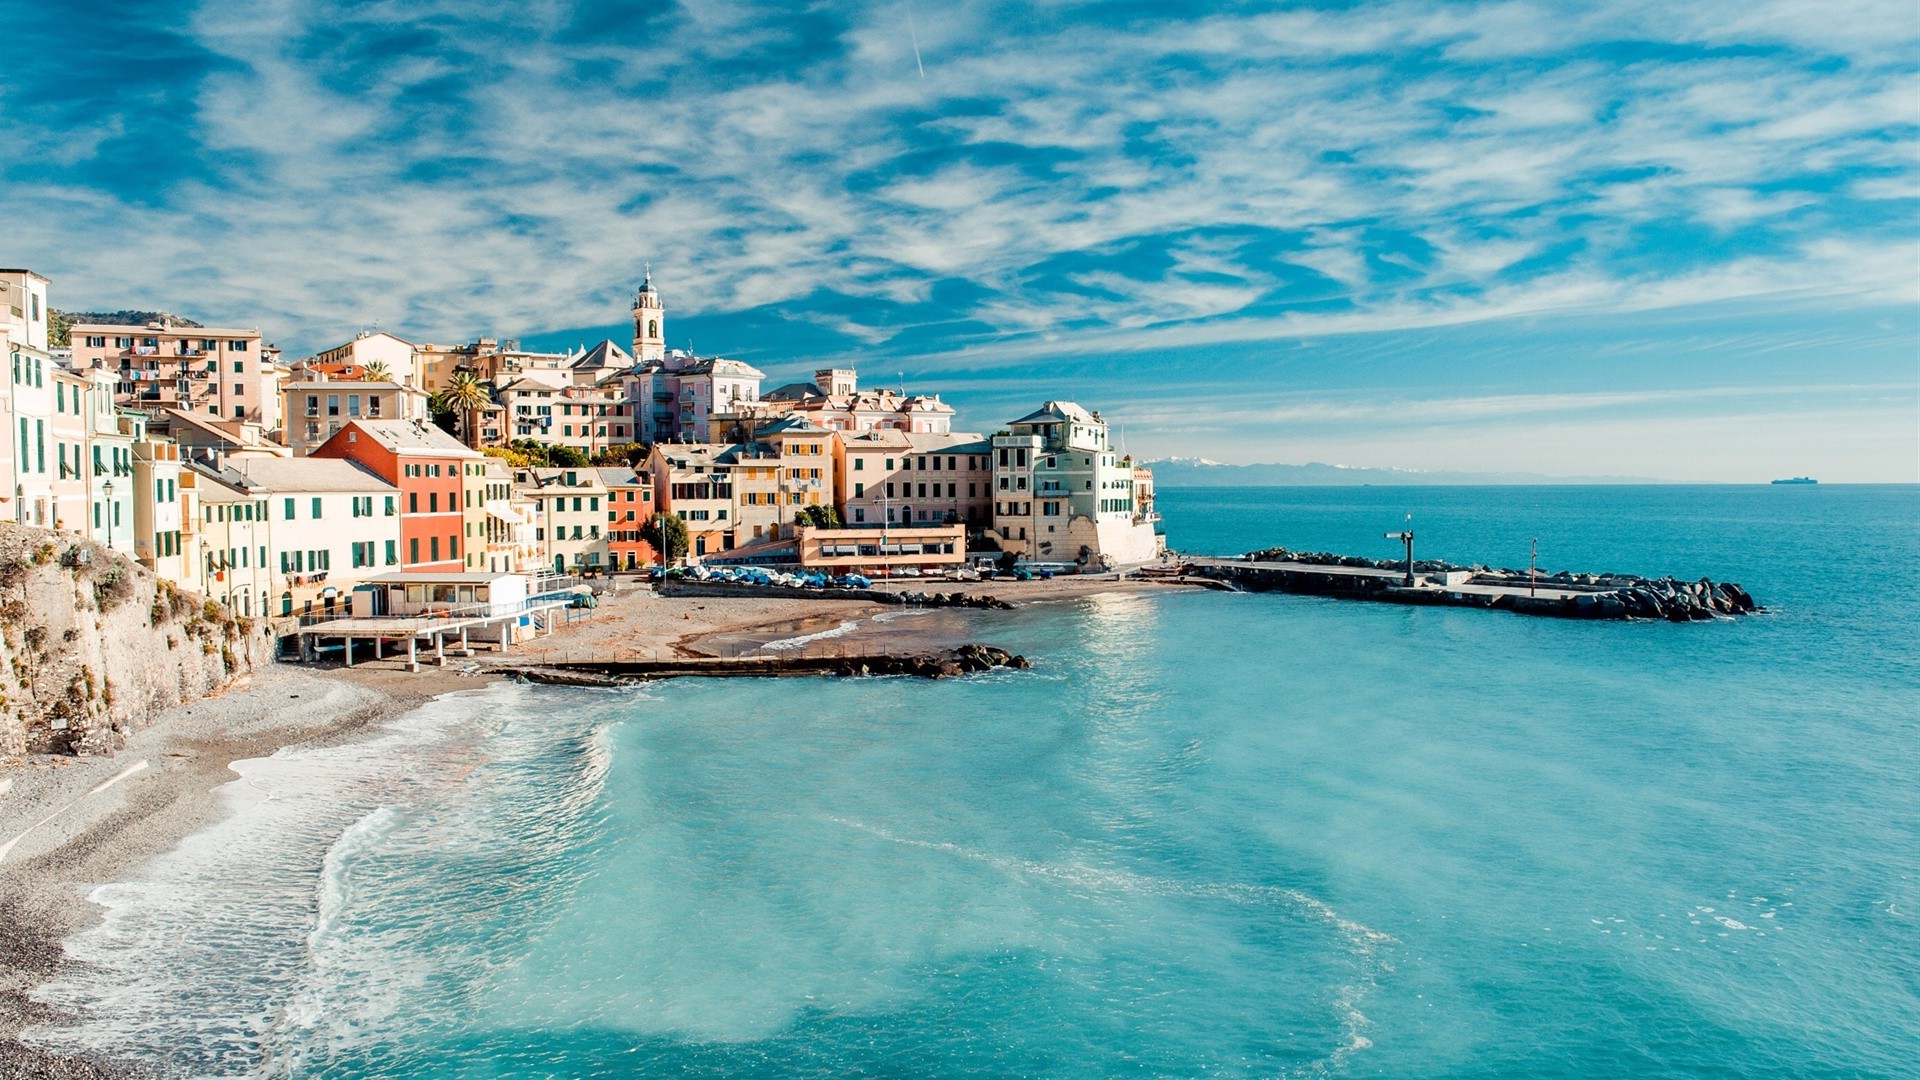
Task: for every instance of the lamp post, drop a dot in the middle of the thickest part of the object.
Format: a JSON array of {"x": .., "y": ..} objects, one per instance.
[
  {"x": 109, "y": 491},
  {"x": 1406, "y": 536},
  {"x": 1533, "y": 559}
]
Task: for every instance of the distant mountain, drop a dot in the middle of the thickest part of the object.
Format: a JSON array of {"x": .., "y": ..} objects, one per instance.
[{"x": 1200, "y": 472}]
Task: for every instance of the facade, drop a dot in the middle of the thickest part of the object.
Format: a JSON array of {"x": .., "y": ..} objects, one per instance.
[
  {"x": 1061, "y": 494},
  {"x": 694, "y": 482},
  {"x": 235, "y": 550},
  {"x": 29, "y": 398},
  {"x": 551, "y": 407},
  {"x": 161, "y": 516},
  {"x": 673, "y": 399},
  {"x": 25, "y": 402},
  {"x": 331, "y": 523},
  {"x": 570, "y": 517},
  {"x": 507, "y": 528},
  {"x": 316, "y": 408},
  {"x": 112, "y": 492},
  {"x": 630, "y": 505},
  {"x": 67, "y": 438},
  {"x": 433, "y": 471},
  {"x": 227, "y": 374},
  {"x": 892, "y": 477}
]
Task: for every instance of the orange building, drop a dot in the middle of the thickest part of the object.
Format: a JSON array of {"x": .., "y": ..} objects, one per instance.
[
  {"x": 630, "y": 505},
  {"x": 436, "y": 474}
]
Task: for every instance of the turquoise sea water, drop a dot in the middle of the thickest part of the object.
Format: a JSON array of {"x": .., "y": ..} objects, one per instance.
[{"x": 1240, "y": 835}]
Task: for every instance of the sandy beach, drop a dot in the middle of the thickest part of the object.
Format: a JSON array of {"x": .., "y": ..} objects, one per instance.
[{"x": 68, "y": 825}]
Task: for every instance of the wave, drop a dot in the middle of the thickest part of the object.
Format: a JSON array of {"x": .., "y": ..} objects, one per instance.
[
  {"x": 271, "y": 939},
  {"x": 1366, "y": 946}
]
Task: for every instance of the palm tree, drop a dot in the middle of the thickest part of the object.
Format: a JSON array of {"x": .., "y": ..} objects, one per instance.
[
  {"x": 465, "y": 396},
  {"x": 374, "y": 371}
]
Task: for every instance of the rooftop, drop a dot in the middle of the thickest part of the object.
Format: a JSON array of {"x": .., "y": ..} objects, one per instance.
[
  {"x": 412, "y": 437},
  {"x": 307, "y": 474}
]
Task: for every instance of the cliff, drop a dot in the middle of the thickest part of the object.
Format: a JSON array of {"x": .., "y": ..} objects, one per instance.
[{"x": 92, "y": 645}]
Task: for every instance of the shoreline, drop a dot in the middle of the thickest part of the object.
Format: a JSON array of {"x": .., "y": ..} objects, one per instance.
[{"x": 69, "y": 825}]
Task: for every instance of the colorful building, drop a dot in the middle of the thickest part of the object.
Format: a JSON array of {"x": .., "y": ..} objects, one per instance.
[
  {"x": 228, "y": 374},
  {"x": 630, "y": 505},
  {"x": 317, "y": 408},
  {"x": 433, "y": 470}
]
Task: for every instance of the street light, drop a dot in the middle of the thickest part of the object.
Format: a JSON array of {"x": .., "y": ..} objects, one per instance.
[
  {"x": 109, "y": 491},
  {"x": 1406, "y": 536}
]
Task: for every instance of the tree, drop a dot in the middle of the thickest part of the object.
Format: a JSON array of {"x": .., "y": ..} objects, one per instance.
[
  {"x": 668, "y": 535},
  {"x": 819, "y": 517},
  {"x": 566, "y": 457},
  {"x": 374, "y": 371},
  {"x": 465, "y": 396}
]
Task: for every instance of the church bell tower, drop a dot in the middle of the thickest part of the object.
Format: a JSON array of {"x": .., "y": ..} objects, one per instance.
[{"x": 649, "y": 323}]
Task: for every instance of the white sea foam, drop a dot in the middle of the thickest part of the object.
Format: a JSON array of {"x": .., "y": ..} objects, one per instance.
[
  {"x": 222, "y": 950},
  {"x": 784, "y": 644}
]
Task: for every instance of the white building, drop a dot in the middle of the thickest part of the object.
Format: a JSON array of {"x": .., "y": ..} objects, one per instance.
[{"x": 1061, "y": 493}]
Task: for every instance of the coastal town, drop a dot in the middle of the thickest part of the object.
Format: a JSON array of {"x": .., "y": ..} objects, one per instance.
[{"x": 280, "y": 487}]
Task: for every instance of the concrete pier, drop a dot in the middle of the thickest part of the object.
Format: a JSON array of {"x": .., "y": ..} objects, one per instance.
[{"x": 1558, "y": 597}]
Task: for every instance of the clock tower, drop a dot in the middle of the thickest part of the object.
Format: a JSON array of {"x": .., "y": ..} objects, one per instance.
[{"x": 649, "y": 323}]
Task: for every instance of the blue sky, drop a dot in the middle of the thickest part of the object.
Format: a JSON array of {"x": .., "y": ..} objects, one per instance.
[{"x": 1661, "y": 240}]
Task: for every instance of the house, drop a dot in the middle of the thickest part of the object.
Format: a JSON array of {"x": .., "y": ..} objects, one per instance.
[
  {"x": 235, "y": 541},
  {"x": 888, "y": 475},
  {"x": 210, "y": 442},
  {"x": 434, "y": 472},
  {"x": 164, "y": 522},
  {"x": 393, "y": 356}
]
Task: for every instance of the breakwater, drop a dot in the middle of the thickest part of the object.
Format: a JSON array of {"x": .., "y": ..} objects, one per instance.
[
  {"x": 943, "y": 664},
  {"x": 1438, "y": 583}
]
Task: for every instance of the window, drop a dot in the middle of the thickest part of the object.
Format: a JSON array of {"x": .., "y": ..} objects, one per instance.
[
  {"x": 413, "y": 550},
  {"x": 433, "y": 502},
  {"x": 389, "y": 506},
  {"x": 333, "y": 404},
  {"x": 240, "y": 389},
  {"x": 289, "y": 509},
  {"x": 859, "y": 490},
  {"x": 413, "y": 506},
  {"x": 316, "y": 508},
  {"x": 393, "y": 554}
]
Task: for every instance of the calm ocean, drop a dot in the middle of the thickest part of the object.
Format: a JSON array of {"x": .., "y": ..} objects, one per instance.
[{"x": 1241, "y": 835}]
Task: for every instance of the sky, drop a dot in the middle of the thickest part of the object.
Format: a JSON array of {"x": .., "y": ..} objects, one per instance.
[{"x": 1658, "y": 240}]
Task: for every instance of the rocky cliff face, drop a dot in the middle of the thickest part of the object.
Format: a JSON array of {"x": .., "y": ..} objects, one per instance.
[{"x": 92, "y": 645}]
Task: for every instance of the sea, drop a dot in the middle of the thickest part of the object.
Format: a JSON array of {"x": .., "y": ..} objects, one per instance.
[{"x": 1238, "y": 835}]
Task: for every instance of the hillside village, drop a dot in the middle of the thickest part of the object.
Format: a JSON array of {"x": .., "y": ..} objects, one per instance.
[{"x": 276, "y": 487}]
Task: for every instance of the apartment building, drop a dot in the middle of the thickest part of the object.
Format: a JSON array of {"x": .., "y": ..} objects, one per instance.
[
  {"x": 331, "y": 523},
  {"x": 433, "y": 472},
  {"x": 394, "y": 357},
  {"x": 228, "y": 374},
  {"x": 694, "y": 482},
  {"x": 888, "y": 475},
  {"x": 317, "y": 408},
  {"x": 630, "y": 505},
  {"x": 111, "y": 488},
  {"x": 506, "y": 536},
  {"x": 28, "y": 398},
  {"x": 1061, "y": 493},
  {"x": 163, "y": 513},
  {"x": 549, "y": 406},
  {"x": 235, "y": 547},
  {"x": 570, "y": 517}
]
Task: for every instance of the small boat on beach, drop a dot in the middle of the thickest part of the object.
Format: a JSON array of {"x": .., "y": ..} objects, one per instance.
[{"x": 1798, "y": 480}]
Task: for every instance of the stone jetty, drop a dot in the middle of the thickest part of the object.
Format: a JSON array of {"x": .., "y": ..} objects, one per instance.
[
  {"x": 942, "y": 664},
  {"x": 1434, "y": 582}
]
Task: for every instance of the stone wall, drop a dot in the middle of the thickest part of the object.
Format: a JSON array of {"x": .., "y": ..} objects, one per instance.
[{"x": 92, "y": 645}]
